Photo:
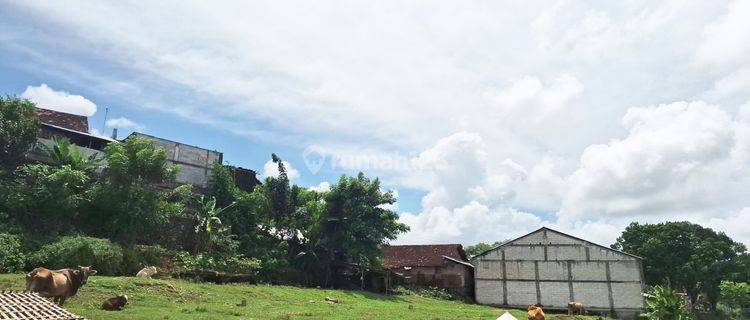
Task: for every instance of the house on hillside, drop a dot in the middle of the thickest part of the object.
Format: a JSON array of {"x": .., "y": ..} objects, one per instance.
[
  {"x": 441, "y": 265},
  {"x": 553, "y": 268},
  {"x": 57, "y": 125},
  {"x": 196, "y": 164}
]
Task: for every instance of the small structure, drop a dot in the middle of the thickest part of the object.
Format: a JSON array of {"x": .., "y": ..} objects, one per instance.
[
  {"x": 552, "y": 268},
  {"x": 195, "y": 162},
  {"x": 442, "y": 265},
  {"x": 31, "y": 306},
  {"x": 57, "y": 125}
]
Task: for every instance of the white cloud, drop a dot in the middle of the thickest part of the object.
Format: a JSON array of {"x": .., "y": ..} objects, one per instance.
[
  {"x": 321, "y": 187},
  {"x": 271, "y": 169},
  {"x": 496, "y": 109},
  {"x": 672, "y": 152},
  {"x": 725, "y": 43},
  {"x": 467, "y": 201},
  {"x": 48, "y": 98},
  {"x": 124, "y": 123}
]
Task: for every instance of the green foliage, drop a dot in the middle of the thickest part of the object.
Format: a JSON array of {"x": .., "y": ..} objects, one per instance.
[
  {"x": 133, "y": 214},
  {"x": 735, "y": 294},
  {"x": 684, "y": 255},
  {"x": 137, "y": 161},
  {"x": 355, "y": 224},
  {"x": 429, "y": 292},
  {"x": 233, "y": 263},
  {"x": 12, "y": 257},
  {"x": 19, "y": 128},
  {"x": 64, "y": 153},
  {"x": 125, "y": 204},
  {"x": 45, "y": 200},
  {"x": 73, "y": 251},
  {"x": 664, "y": 304},
  {"x": 481, "y": 248},
  {"x": 137, "y": 257}
]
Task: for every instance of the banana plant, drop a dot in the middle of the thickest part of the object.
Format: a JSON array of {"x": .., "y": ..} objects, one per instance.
[
  {"x": 664, "y": 304},
  {"x": 209, "y": 223},
  {"x": 63, "y": 152}
]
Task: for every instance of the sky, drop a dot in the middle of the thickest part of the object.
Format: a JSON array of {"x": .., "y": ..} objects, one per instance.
[{"x": 488, "y": 119}]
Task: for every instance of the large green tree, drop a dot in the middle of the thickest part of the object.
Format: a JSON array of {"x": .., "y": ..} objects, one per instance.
[
  {"x": 19, "y": 128},
  {"x": 130, "y": 202},
  {"x": 356, "y": 222},
  {"x": 683, "y": 255}
]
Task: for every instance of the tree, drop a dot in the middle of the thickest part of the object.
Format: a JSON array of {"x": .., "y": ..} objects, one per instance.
[
  {"x": 137, "y": 161},
  {"x": 355, "y": 222},
  {"x": 482, "y": 247},
  {"x": 126, "y": 204},
  {"x": 683, "y": 255},
  {"x": 62, "y": 152},
  {"x": 19, "y": 128}
]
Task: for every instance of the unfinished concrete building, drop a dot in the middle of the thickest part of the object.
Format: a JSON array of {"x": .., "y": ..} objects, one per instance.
[
  {"x": 553, "y": 268},
  {"x": 195, "y": 162}
]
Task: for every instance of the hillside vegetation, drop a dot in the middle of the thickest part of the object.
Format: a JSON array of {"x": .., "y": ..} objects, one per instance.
[{"x": 177, "y": 299}]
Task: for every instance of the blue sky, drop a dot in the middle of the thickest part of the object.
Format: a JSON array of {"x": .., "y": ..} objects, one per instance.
[
  {"x": 241, "y": 151},
  {"x": 489, "y": 119}
]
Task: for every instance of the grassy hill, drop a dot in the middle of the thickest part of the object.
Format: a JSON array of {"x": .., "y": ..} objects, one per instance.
[{"x": 176, "y": 299}]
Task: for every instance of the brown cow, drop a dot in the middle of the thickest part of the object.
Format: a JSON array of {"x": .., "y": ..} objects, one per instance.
[
  {"x": 58, "y": 284},
  {"x": 535, "y": 313},
  {"x": 576, "y": 308}
]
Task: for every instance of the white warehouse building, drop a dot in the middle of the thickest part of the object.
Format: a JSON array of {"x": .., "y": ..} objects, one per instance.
[{"x": 552, "y": 268}]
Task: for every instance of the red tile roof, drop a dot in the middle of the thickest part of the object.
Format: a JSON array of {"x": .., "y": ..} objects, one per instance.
[
  {"x": 421, "y": 255},
  {"x": 62, "y": 119}
]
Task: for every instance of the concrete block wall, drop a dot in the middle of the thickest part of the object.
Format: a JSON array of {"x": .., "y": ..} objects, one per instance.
[
  {"x": 554, "y": 268},
  {"x": 195, "y": 163}
]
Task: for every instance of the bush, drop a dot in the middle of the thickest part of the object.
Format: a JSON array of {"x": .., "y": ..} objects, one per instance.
[
  {"x": 12, "y": 258},
  {"x": 429, "y": 292},
  {"x": 232, "y": 263},
  {"x": 664, "y": 304},
  {"x": 735, "y": 294},
  {"x": 70, "y": 252},
  {"x": 137, "y": 257}
]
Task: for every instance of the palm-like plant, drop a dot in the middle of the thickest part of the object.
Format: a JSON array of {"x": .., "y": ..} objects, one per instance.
[
  {"x": 63, "y": 152},
  {"x": 209, "y": 223},
  {"x": 664, "y": 304}
]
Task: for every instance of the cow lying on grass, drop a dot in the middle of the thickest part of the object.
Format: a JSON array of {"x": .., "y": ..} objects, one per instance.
[
  {"x": 535, "y": 313},
  {"x": 58, "y": 284}
]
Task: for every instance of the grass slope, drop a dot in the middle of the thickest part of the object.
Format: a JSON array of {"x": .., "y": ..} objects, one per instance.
[{"x": 176, "y": 299}]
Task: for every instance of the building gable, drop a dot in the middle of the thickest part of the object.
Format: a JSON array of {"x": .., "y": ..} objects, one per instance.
[{"x": 555, "y": 245}]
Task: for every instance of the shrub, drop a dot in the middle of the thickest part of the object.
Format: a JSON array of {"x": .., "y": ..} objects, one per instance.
[
  {"x": 69, "y": 252},
  {"x": 137, "y": 257},
  {"x": 12, "y": 258},
  {"x": 233, "y": 263},
  {"x": 735, "y": 294},
  {"x": 428, "y": 292},
  {"x": 664, "y": 304}
]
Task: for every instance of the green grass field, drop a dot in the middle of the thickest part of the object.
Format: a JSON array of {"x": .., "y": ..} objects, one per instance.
[{"x": 176, "y": 299}]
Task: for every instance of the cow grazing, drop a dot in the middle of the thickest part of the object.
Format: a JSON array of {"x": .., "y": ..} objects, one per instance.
[
  {"x": 115, "y": 303},
  {"x": 535, "y": 313},
  {"x": 576, "y": 308},
  {"x": 147, "y": 272},
  {"x": 58, "y": 284}
]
